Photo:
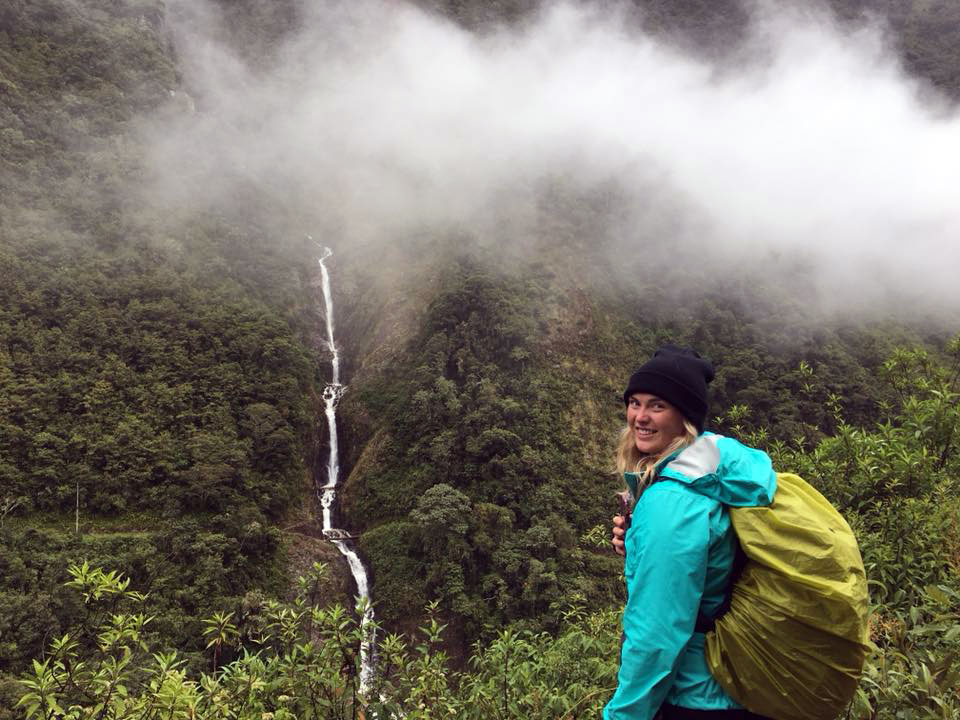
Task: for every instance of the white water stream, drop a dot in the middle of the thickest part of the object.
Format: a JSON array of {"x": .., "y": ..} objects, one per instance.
[{"x": 328, "y": 492}]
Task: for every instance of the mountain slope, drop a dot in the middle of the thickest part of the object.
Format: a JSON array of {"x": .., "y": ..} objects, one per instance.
[{"x": 160, "y": 363}]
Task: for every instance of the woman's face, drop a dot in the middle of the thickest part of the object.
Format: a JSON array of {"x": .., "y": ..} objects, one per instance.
[{"x": 655, "y": 423}]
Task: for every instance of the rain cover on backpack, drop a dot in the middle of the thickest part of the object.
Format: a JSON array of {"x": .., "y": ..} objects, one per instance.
[{"x": 793, "y": 643}]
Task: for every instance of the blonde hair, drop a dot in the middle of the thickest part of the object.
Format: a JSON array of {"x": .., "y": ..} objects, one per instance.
[{"x": 629, "y": 459}]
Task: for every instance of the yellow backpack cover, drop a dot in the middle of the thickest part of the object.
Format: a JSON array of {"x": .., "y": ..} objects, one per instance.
[{"x": 793, "y": 642}]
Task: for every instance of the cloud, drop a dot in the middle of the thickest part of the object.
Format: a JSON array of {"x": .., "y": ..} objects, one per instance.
[{"x": 376, "y": 120}]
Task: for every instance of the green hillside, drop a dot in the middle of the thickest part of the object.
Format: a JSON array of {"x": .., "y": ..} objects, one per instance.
[
  {"x": 159, "y": 412},
  {"x": 157, "y": 382}
]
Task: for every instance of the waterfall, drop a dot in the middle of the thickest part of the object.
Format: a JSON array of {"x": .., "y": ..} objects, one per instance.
[
  {"x": 328, "y": 492},
  {"x": 328, "y": 309}
]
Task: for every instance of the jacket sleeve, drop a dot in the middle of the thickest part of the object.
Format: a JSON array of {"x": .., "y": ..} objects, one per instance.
[{"x": 667, "y": 548}]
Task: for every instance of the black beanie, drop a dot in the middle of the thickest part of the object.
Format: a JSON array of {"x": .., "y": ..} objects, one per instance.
[{"x": 677, "y": 375}]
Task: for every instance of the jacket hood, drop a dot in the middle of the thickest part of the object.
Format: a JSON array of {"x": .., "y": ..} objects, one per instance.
[{"x": 720, "y": 468}]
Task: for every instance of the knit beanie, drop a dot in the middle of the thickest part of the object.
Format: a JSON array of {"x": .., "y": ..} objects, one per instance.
[{"x": 677, "y": 375}]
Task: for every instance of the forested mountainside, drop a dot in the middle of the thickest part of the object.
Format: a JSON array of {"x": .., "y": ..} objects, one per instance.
[
  {"x": 157, "y": 376},
  {"x": 160, "y": 370}
]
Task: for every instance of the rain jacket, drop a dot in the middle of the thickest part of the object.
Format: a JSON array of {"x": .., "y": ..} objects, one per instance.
[{"x": 680, "y": 550}]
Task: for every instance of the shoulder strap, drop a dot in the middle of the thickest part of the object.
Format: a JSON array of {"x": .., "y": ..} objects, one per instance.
[{"x": 707, "y": 624}]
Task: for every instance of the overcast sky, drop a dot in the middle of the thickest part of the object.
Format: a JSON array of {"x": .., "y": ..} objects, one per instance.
[{"x": 385, "y": 120}]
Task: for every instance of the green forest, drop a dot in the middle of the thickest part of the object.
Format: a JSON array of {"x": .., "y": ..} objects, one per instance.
[{"x": 161, "y": 434}]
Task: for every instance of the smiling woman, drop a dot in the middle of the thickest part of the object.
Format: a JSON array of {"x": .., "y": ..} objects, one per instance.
[
  {"x": 680, "y": 547},
  {"x": 666, "y": 402},
  {"x": 654, "y": 423}
]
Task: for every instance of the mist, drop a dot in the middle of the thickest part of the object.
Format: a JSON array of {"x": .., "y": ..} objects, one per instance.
[{"x": 809, "y": 148}]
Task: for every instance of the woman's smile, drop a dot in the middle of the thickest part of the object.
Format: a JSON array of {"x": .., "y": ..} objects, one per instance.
[{"x": 655, "y": 422}]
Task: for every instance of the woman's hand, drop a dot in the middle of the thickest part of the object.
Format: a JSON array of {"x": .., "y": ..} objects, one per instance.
[{"x": 619, "y": 531}]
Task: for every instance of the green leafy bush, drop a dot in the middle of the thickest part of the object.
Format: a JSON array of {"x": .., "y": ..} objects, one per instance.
[{"x": 298, "y": 660}]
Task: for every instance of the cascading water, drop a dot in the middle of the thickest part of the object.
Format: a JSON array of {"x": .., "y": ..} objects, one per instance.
[{"x": 328, "y": 492}]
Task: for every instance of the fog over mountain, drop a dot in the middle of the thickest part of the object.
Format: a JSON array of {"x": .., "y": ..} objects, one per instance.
[{"x": 812, "y": 149}]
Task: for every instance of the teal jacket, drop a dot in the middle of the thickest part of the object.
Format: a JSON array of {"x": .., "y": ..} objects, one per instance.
[{"x": 680, "y": 551}]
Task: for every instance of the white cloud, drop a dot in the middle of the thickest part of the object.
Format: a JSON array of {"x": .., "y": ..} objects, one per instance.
[{"x": 387, "y": 120}]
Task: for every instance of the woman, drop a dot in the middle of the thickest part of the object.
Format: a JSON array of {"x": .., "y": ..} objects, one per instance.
[{"x": 679, "y": 545}]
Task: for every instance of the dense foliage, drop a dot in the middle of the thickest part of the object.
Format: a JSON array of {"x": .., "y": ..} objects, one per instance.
[
  {"x": 301, "y": 660},
  {"x": 481, "y": 469},
  {"x": 145, "y": 389},
  {"x": 490, "y": 448},
  {"x": 155, "y": 387}
]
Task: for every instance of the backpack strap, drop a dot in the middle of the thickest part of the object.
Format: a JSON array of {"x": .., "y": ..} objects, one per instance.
[{"x": 707, "y": 624}]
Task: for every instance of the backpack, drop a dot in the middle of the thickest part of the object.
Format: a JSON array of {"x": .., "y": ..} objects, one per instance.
[{"x": 793, "y": 641}]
